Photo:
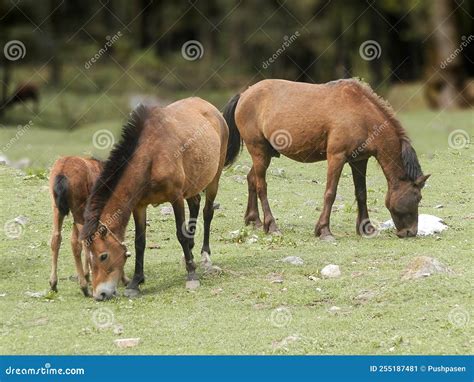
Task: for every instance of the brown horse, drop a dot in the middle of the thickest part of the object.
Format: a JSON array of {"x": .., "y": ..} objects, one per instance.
[
  {"x": 167, "y": 154},
  {"x": 341, "y": 121},
  {"x": 70, "y": 184}
]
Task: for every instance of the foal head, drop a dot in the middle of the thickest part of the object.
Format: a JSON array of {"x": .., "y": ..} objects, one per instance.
[
  {"x": 108, "y": 256},
  {"x": 403, "y": 198}
]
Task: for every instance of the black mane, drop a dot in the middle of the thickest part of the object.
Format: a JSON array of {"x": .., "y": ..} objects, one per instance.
[
  {"x": 113, "y": 170},
  {"x": 410, "y": 161}
]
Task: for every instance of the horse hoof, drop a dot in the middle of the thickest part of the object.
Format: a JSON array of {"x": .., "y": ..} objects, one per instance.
[
  {"x": 212, "y": 270},
  {"x": 192, "y": 284},
  {"x": 131, "y": 293},
  {"x": 328, "y": 238}
]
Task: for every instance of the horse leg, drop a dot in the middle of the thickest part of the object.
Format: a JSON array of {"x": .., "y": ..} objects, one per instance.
[
  {"x": 359, "y": 170},
  {"x": 139, "y": 217},
  {"x": 192, "y": 280},
  {"x": 335, "y": 165},
  {"x": 208, "y": 214},
  {"x": 252, "y": 215},
  {"x": 55, "y": 245},
  {"x": 193, "y": 205},
  {"x": 76, "y": 246},
  {"x": 261, "y": 161}
]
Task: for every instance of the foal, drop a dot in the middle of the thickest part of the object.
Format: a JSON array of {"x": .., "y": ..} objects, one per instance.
[
  {"x": 70, "y": 183},
  {"x": 342, "y": 122},
  {"x": 167, "y": 154}
]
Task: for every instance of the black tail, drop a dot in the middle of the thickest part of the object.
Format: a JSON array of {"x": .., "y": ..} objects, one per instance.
[
  {"x": 234, "y": 144},
  {"x": 60, "y": 190}
]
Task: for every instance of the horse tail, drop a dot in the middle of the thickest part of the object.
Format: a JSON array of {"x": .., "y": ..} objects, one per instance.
[
  {"x": 60, "y": 192},
  {"x": 234, "y": 144}
]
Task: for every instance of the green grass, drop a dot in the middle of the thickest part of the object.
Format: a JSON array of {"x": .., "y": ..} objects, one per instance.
[{"x": 232, "y": 313}]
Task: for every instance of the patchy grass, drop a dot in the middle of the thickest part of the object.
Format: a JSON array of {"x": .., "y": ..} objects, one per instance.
[{"x": 242, "y": 311}]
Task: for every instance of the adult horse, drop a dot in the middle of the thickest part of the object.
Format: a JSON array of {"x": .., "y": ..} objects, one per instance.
[
  {"x": 341, "y": 121},
  {"x": 167, "y": 154}
]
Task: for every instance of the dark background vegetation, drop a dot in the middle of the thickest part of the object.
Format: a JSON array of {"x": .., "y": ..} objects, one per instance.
[{"x": 61, "y": 36}]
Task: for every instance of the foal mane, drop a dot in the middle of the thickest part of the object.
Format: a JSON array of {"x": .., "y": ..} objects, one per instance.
[
  {"x": 409, "y": 158},
  {"x": 113, "y": 169}
]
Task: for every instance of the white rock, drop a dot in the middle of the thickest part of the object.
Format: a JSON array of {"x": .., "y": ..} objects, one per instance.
[
  {"x": 334, "y": 310},
  {"x": 127, "y": 342},
  {"x": 427, "y": 225},
  {"x": 331, "y": 271},
  {"x": 294, "y": 260},
  {"x": 424, "y": 266}
]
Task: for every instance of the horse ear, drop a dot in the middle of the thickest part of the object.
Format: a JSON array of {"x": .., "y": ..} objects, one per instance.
[{"x": 420, "y": 181}]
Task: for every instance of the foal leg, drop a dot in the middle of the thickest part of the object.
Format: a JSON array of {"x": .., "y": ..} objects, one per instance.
[
  {"x": 76, "y": 246},
  {"x": 335, "y": 165},
  {"x": 192, "y": 281},
  {"x": 55, "y": 245},
  {"x": 139, "y": 217},
  {"x": 359, "y": 170},
  {"x": 252, "y": 215}
]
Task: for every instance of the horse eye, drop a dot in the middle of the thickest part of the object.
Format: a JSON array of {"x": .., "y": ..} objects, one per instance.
[{"x": 103, "y": 256}]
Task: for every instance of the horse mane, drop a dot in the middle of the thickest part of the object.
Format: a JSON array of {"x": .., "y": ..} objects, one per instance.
[
  {"x": 409, "y": 158},
  {"x": 113, "y": 169}
]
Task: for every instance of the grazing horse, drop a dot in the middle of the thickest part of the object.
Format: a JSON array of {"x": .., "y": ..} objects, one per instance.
[
  {"x": 70, "y": 183},
  {"x": 166, "y": 154},
  {"x": 341, "y": 121}
]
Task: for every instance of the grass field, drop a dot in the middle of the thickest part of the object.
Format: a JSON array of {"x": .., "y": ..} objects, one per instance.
[{"x": 243, "y": 311}]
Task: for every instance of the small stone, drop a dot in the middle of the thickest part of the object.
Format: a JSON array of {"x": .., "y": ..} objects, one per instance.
[
  {"x": 35, "y": 294},
  {"x": 3, "y": 294},
  {"x": 275, "y": 278},
  {"x": 294, "y": 260},
  {"x": 331, "y": 271},
  {"x": 334, "y": 310},
  {"x": 439, "y": 206},
  {"x": 424, "y": 266},
  {"x": 365, "y": 295},
  {"x": 118, "y": 330},
  {"x": 127, "y": 342},
  {"x": 313, "y": 278},
  {"x": 252, "y": 239},
  {"x": 166, "y": 210},
  {"x": 216, "y": 291}
]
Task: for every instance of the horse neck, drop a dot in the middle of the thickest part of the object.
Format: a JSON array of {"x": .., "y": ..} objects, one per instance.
[
  {"x": 116, "y": 212},
  {"x": 392, "y": 164}
]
